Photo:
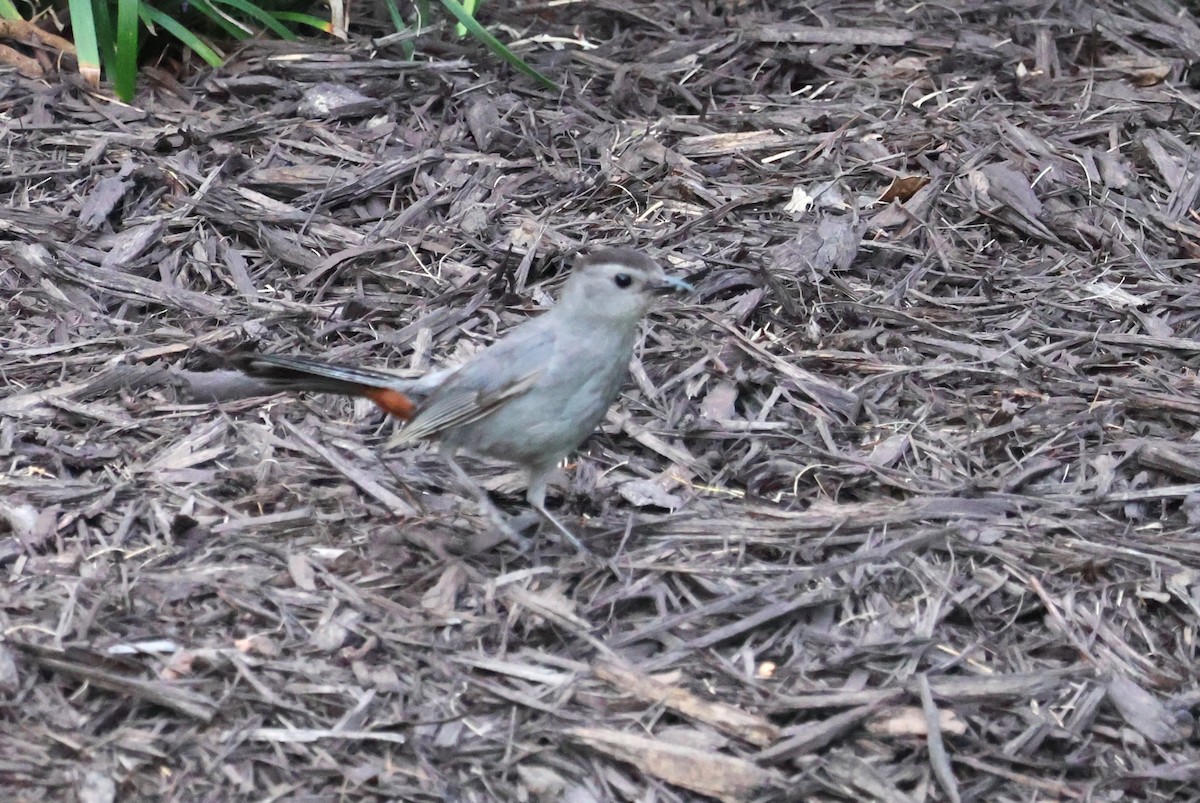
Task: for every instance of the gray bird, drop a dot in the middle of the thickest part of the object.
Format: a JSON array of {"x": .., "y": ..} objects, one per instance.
[{"x": 529, "y": 398}]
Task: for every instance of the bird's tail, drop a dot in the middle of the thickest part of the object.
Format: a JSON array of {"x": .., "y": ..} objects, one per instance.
[{"x": 284, "y": 373}]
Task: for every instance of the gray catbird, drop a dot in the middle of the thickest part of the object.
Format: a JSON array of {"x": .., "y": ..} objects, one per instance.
[{"x": 529, "y": 398}]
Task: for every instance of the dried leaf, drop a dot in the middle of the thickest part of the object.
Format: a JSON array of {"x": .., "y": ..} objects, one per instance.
[
  {"x": 910, "y": 721},
  {"x": 442, "y": 598},
  {"x": 649, "y": 493},
  {"x": 1143, "y": 712},
  {"x": 729, "y": 779}
]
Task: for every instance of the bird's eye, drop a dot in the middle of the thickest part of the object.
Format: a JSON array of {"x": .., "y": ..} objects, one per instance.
[{"x": 622, "y": 280}]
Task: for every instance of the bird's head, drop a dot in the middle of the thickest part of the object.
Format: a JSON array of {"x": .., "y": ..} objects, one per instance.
[{"x": 617, "y": 285}]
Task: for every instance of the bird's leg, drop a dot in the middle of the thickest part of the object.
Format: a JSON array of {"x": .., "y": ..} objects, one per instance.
[
  {"x": 499, "y": 519},
  {"x": 536, "y": 496}
]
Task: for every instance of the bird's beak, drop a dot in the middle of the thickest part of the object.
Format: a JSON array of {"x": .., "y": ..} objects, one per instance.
[{"x": 671, "y": 284}]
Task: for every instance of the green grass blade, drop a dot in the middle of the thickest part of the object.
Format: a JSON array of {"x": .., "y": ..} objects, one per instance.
[
  {"x": 106, "y": 35},
  {"x": 495, "y": 45},
  {"x": 238, "y": 31},
  {"x": 172, "y": 26},
  {"x": 397, "y": 18},
  {"x": 400, "y": 25},
  {"x": 125, "y": 69},
  {"x": 324, "y": 26},
  {"x": 265, "y": 17},
  {"x": 8, "y": 11},
  {"x": 469, "y": 6},
  {"x": 87, "y": 48}
]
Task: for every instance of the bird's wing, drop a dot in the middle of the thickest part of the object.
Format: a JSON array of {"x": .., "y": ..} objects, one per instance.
[
  {"x": 466, "y": 406},
  {"x": 505, "y": 370}
]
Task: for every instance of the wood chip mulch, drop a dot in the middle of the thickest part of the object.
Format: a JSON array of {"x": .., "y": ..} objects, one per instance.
[{"x": 900, "y": 505}]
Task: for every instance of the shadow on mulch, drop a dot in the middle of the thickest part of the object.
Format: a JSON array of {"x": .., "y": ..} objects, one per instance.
[{"x": 898, "y": 506}]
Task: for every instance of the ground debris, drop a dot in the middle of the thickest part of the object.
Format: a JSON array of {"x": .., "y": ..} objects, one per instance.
[{"x": 900, "y": 504}]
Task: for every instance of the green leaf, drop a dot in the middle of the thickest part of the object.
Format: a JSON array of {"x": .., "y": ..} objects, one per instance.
[
  {"x": 397, "y": 22},
  {"x": 400, "y": 25},
  {"x": 494, "y": 44},
  {"x": 424, "y": 15},
  {"x": 397, "y": 18},
  {"x": 173, "y": 27},
  {"x": 262, "y": 15},
  {"x": 469, "y": 6},
  {"x": 324, "y": 26},
  {"x": 106, "y": 36},
  {"x": 87, "y": 48},
  {"x": 8, "y": 11},
  {"x": 236, "y": 29},
  {"x": 125, "y": 70}
]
